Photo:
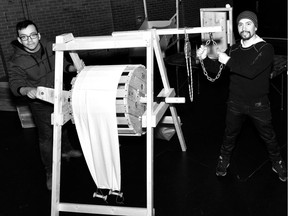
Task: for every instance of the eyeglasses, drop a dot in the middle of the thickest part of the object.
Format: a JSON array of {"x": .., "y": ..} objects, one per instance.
[{"x": 33, "y": 35}]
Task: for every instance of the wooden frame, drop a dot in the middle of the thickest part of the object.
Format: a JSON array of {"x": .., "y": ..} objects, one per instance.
[{"x": 154, "y": 112}]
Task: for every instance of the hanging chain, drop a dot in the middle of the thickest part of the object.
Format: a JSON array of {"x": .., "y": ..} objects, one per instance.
[
  {"x": 187, "y": 51},
  {"x": 202, "y": 63}
]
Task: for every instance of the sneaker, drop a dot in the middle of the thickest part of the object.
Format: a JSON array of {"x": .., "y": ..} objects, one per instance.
[
  {"x": 223, "y": 164},
  {"x": 71, "y": 154},
  {"x": 280, "y": 168}
]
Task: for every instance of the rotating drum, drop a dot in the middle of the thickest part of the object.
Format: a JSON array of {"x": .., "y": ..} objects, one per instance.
[{"x": 131, "y": 87}]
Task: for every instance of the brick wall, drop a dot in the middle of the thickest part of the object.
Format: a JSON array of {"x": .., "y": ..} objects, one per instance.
[
  {"x": 54, "y": 17},
  {"x": 190, "y": 13},
  {"x": 160, "y": 9},
  {"x": 123, "y": 15},
  {"x": 89, "y": 17}
]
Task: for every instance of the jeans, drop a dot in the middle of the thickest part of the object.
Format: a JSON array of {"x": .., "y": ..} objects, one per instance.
[
  {"x": 41, "y": 112},
  {"x": 260, "y": 114}
]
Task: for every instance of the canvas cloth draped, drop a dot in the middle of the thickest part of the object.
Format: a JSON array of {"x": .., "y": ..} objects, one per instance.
[{"x": 94, "y": 111}]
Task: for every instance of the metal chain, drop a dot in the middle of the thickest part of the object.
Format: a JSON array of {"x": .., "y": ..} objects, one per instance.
[
  {"x": 206, "y": 74},
  {"x": 187, "y": 51},
  {"x": 202, "y": 63}
]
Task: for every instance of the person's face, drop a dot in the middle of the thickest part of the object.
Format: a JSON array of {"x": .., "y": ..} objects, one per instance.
[
  {"x": 29, "y": 38},
  {"x": 246, "y": 29}
]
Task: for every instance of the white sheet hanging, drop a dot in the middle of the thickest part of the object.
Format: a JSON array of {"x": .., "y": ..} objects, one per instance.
[{"x": 94, "y": 111}]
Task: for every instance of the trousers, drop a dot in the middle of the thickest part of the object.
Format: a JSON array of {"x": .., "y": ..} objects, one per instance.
[
  {"x": 41, "y": 112},
  {"x": 260, "y": 113}
]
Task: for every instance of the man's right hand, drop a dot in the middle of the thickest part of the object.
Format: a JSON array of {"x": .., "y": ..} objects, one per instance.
[
  {"x": 201, "y": 53},
  {"x": 29, "y": 92}
]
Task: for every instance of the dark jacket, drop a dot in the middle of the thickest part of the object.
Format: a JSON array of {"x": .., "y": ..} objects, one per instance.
[{"x": 28, "y": 70}]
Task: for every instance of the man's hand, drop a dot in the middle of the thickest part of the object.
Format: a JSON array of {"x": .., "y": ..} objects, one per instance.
[
  {"x": 223, "y": 57},
  {"x": 201, "y": 53},
  {"x": 73, "y": 68},
  {"x": 29, "y": 92}
]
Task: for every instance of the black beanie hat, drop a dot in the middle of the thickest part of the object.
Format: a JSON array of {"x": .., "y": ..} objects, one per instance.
[{"x": 248, "y": 15}]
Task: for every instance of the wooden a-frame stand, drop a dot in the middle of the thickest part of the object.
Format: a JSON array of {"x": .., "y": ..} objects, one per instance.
[{"x": 152, "y": 116}]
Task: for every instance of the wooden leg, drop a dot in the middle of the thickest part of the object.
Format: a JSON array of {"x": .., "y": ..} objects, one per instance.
[{"x": 178, "y": 127}]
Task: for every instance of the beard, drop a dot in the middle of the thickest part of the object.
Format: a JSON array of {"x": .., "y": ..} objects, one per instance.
[
  {"x": 246, "y": 35},
  {"x": 32, "y": 47}
]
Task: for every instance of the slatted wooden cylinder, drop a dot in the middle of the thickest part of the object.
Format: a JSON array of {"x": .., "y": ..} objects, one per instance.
[
  {"x": 131, "y": 87},
  {"x": 129, "y": 110}
]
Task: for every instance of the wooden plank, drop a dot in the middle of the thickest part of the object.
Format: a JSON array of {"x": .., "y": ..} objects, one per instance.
[
  {"x": 131, "y": 122},
  {"x": 150, "y": 129},
  {"x": 25, "y": 116},
  {"x": 130, "y": 107},
  {"x": 173, "y": 31},
  {"x": 178, "y": 128},
  {"x": 161, "y": 65},
  {"x": 67, "y": 37},
  {"x": 101, "y": 42},
  {"x": 128, "y": 132},
  {"x": 107, "y": 210},
  {"x": 159, "y": 109},
  {"x": 159, "y": 113},
  {"x": 57, "y": 127},
  {"x": 175, "y": 100},
  {"x": 78, "y": 63},
  {"x": 45, "y": 94},
  {"x": 48, "y": 95},
  {"x": 215, "y": 9}
]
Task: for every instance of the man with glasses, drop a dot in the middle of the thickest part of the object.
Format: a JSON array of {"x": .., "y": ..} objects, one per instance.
[{"x": 33, "y": 65}]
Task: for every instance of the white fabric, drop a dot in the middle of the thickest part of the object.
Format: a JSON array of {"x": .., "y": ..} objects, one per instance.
[{"x": 94, "y": 111}]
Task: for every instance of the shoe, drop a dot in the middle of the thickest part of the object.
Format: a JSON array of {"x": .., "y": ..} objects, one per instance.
[
  {"x": 49, "y": 181},
  {"x": 71, "y": 154},
  {"x": 280, "y": 168},
  {"x": 223, "y": 164}
]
